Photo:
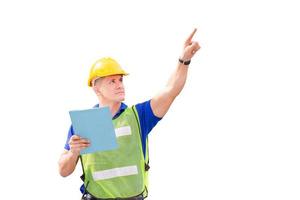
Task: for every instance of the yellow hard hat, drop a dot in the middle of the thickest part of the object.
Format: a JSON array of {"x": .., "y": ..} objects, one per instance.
[{"x": 105, "y": 67}]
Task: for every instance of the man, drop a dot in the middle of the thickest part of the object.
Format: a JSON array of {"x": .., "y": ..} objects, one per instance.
[{"x": 122, "y": 173}]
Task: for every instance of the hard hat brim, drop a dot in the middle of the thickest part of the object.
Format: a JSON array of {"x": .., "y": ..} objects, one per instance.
[{"x": 105, "y": 75}]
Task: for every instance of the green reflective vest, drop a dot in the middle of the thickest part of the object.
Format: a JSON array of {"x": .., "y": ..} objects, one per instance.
[{"x": 118, "y": 173}]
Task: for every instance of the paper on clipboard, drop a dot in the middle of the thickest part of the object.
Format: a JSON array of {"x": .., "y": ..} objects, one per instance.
[{"x": 95, "y": 125}]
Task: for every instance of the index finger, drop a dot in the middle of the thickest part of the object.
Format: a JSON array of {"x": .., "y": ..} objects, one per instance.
[{"x": 189, "y": 39}]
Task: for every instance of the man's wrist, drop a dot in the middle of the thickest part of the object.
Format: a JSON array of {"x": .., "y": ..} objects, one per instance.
[
  {"x": 185, "y": 62},
  {"x": 74, "y": 153}
]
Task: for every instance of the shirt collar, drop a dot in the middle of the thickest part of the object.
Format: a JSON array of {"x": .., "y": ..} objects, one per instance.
[{"x": 121, "y": 109}]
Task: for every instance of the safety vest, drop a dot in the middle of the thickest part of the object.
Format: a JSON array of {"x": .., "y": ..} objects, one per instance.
[{"x": 119, "y": 173}]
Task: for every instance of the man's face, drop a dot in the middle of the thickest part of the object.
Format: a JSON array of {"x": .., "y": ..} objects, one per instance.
[{"x": 111, "y": 88}]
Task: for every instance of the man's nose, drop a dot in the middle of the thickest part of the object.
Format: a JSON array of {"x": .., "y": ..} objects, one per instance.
[{"x": 120, "y": 84}]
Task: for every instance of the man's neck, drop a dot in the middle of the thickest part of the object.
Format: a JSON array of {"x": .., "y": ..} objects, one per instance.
[{"x": 113, "y": 106}]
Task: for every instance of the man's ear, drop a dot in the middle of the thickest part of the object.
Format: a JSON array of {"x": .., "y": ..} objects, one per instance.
[{"x": 96, "y": 90}]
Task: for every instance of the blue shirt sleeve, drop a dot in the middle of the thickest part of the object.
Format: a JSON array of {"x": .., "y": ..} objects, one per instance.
[
  {"x": 70, "y": 133},
  {"x": 147, "y": 120}
]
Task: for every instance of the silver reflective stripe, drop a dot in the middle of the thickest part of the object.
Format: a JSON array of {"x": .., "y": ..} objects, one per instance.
[
  {"x": 115, "y": 172},
  {"x": 122, "y": 131}
]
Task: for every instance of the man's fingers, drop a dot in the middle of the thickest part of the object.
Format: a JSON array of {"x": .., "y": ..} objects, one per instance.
[
  {"x": 84, "y": 145},
  {"x": 196, "y": 46},
  {"x": 81, "y": 141},
  {"x": 189, "y": 39},
  {"x": 78, "y": 140},
  {"x": 79, "y": 145},
  {"x": 193, "y": 47},
  {"x": 75, "y": 137}
]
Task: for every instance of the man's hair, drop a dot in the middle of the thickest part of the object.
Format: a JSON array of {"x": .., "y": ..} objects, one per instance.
[{"x": 97, "y": 80}]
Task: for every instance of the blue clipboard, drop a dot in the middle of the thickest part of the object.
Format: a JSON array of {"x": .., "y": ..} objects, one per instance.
[{"x": 96, "y": 126}]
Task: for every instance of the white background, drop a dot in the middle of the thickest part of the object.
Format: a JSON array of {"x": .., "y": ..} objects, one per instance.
[{"x": 233, "y": 133}]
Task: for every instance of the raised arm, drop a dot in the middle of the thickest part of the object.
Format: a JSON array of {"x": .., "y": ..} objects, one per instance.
[{"x": 161, "y": 103}]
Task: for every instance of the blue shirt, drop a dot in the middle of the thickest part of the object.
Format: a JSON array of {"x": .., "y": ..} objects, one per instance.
[{"x": 147, "y": 121}]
